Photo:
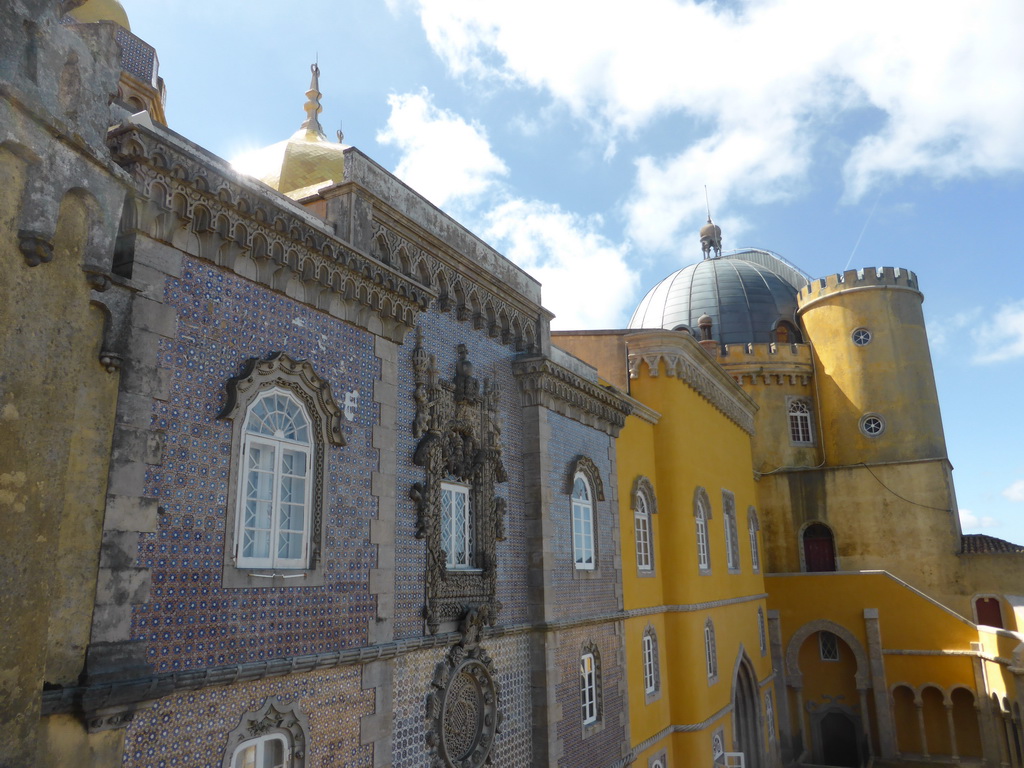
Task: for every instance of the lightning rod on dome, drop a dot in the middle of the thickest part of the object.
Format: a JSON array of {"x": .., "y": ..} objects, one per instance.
[
  {"x": 710, "y": 233},
  {"x": 312, "y": 106}
]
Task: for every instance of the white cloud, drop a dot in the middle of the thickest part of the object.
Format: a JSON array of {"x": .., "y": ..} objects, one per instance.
[
  {"x": 1000, "y": 338},
  {"x": 1015, "y": 492},
  {"x": 444, "y": 157},
  {"x": 586, "y": 280},
  {"x": 764, "y": 81},
  {"x": 971, "y": 521}
]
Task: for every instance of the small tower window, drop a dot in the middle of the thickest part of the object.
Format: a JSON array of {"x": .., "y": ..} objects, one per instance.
[
  {"x": 800, "y": 422},
  {"x": 828, "y": 645},
  {"x": 862, "y": 337},
  {"x": 872, "y": 425}
]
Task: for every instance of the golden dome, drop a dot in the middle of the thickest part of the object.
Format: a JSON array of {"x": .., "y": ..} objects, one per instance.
[
  {"x": 303, "y": 163},
  {"x": 101, "y": 10}
]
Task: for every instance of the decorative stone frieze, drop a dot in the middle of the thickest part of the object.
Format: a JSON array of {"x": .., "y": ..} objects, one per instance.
[
  {"x": 544, "y": 382},
  {"x": 462, "y": 708},
  {"x": 459, "y": 438},
  {"x": 470, "y": 301},
  {"x": 202, "y": 207},
  {"x": 683, "y": 359}
]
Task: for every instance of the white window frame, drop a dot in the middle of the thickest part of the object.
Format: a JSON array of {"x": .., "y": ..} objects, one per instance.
[
  {"x": 588, "y": 688},
  {"x": 710, "y": 651},
  {"x": 650, "y": 671},
  {"x": 260, "y": 743},
  {"x": 702, "y": 513},
  {"x": 461, "y": 533},
  {"x": 642, "y": 533},
  {"x": 800, "y": 427},
  {"x": 279, "y": 446},
  {"x": 753, "y": 526},
  {"x": 583, "y": 544}
]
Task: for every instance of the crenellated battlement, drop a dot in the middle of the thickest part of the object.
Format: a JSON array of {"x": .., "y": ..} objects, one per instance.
[
  {"x": 766, "y": 353},
  {"x": 867, "y": 277}
]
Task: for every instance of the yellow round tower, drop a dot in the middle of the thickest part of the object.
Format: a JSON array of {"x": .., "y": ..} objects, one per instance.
[{"x": 876, "y": 388}]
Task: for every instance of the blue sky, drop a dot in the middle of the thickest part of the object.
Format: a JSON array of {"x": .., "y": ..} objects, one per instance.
[{"x": 577, "y": 138}]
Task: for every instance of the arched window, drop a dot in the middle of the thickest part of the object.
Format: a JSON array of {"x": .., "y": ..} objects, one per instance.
[
  {"x": 582, "y": 523},
  {"x": 652, "y": 671},
  {"x": 273, "y": 526},
  {"x": 590, "y": 685},
  {"x": 732, "y": 543},
  {"x": 275, "y": 736},
  {"x": 642, "y": 530},
  {"x": 284, "y": 422},
  {"x": 800, "y": 422},
  {"x": 753, "y": 526},
  {"x": 702, "y": 513},
  {"x": 710, "y": 651},
  {"x": 762, "y": 635},
  {"x": 263, "y": 752},
  {"x": 819, "y": 548}
]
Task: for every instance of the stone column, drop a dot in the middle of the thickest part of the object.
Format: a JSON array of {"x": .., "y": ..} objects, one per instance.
[
  {"x": 952, "y": 731},
  {"x": 805, "y": 743},
  {"x": 919, "y": 706},
  {"x": 865, "y": 716},
  {"x": 782, "y": 714},
  {"x": 879, "y": 685}
]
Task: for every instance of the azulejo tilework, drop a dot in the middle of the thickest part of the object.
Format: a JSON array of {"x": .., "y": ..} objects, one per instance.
[{"x": 191, "y": 620}]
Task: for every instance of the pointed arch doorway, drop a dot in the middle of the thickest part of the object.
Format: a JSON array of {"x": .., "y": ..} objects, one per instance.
[{"x": 746, "y": 713}]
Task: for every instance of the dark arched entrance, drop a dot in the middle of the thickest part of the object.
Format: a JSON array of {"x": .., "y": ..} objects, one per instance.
[
  {"x": 819, "y": 548},
  {"x": 839, "y": 740},
  {"x": 747, "y": 714}
]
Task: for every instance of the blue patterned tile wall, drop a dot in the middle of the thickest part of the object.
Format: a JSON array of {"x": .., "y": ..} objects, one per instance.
[
  {"x": 581, "y": 593},
  {"x": 190, "y": 620}
]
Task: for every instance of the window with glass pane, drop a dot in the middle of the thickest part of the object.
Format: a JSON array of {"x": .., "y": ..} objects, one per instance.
[
  {"x": 762, "y": 636},
  {"x": 828, "y": 644},
  {"x": 710, "y": 652},
  {"x": 650, "y": 672},
  {"x": 703, "y": 561},
  {"x": 642, "y": 520},
  {"x": 582, "y": 525},
  {"x": 588, "y": 688},
  {"x": 800, "y": 422},
  {"x": 274, "y": 498},
  {"x": 753, "y": 527},
  {"x": 456, "y": 526},
  {"x": 731, "y": 545},
  {"x": 264, "y": 752}
]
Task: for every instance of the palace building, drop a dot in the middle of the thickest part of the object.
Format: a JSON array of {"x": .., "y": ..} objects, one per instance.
[{"x": 294, "y": 473}]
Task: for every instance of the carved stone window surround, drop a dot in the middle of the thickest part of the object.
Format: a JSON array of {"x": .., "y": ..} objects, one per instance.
[
  {"x": 275, "y": 717},
  {"x": 298, "y": 378},
  {"x": 458, "y": 425}
]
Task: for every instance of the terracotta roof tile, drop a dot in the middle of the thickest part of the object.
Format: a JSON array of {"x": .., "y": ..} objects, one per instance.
[{"x": 980, "y": 544}]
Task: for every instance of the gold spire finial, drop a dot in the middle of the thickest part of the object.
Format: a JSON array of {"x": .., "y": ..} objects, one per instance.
[{"x": 312, "y": 106}]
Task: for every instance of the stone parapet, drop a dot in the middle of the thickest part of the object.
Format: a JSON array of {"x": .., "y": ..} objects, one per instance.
[{"x": 851, "y": 279}]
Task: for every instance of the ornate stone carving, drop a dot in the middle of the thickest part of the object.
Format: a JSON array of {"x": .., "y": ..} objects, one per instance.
[
  {"x": 471, "y": 302},
  {"x": 585, "y": 466},
  {"x": 299, "y": 378},
  {"x": 275, "y": 716},
  {"x": 460, "y": 438},
  {"x": 205, "y": 210},
  {"x": 544, "y": 382},
  {"x": 36, "y": 247},
  {"x": 462, "y": 709}
]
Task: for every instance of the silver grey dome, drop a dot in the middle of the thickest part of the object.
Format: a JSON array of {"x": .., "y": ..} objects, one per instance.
[{"x": 746, "y": 301}]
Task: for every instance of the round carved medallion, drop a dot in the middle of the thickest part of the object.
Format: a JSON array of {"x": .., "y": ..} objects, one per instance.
[{"x": 464, "y": 711}]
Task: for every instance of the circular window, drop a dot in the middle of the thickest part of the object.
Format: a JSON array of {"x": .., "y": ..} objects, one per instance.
[
  {"x": 861, "y": 337},
  {"x": 872, "y": 425}
]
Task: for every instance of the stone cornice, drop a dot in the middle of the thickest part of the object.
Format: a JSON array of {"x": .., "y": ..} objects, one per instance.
[
  {"x": 544, "y": 382},
  {"x": 199, "y": 204},
  {"x": 684, "y": 359}
]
